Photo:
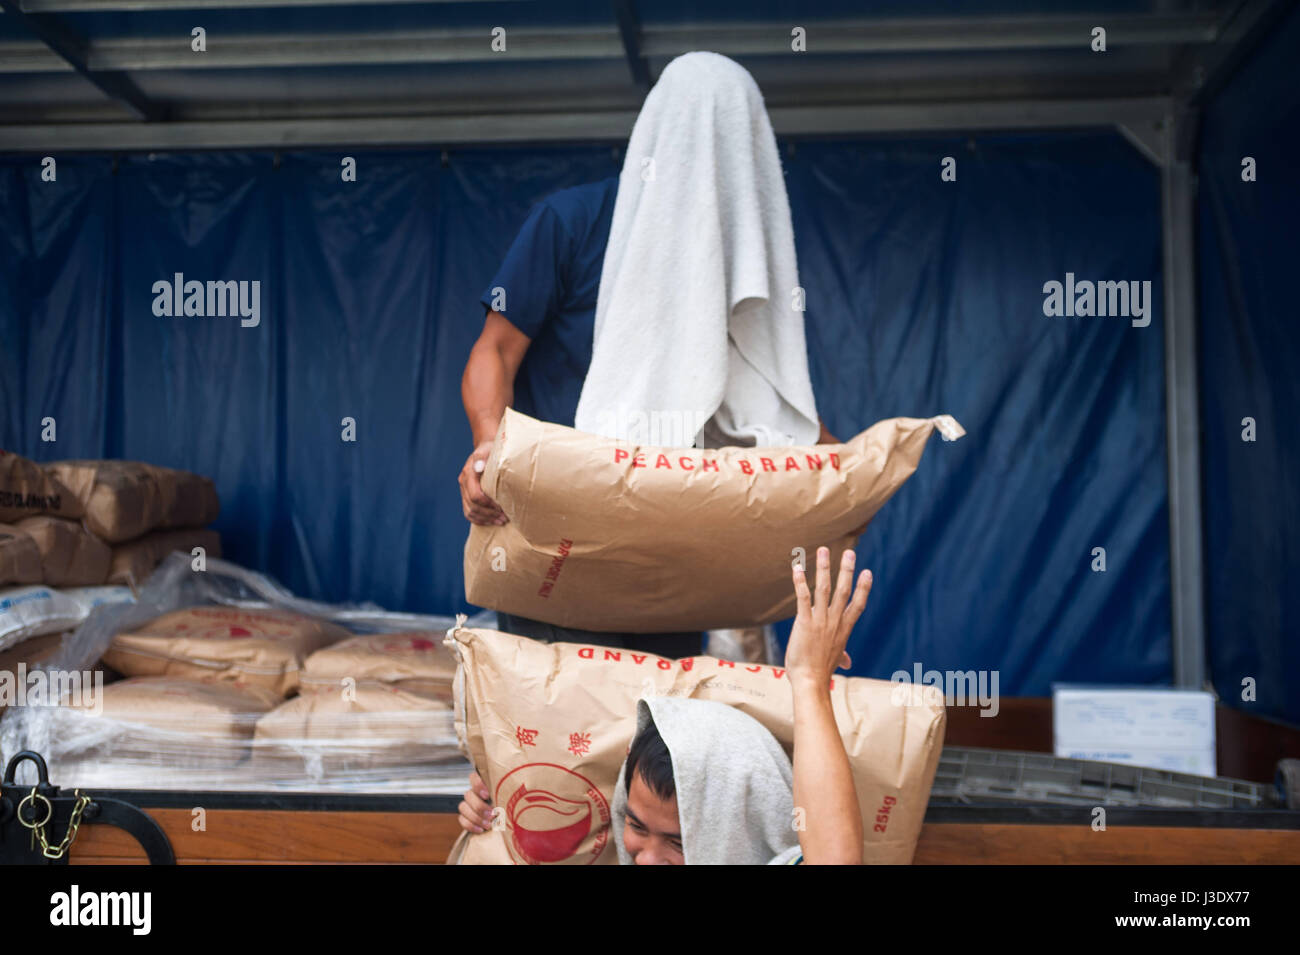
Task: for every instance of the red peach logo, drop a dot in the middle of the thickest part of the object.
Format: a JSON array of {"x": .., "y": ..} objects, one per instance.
[{"x": 555, "y": 816}]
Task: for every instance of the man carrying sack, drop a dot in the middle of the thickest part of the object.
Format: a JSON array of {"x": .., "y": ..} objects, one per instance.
[
  {"x": 660, "y": 307},
  {"x": 705, "y": 784}
]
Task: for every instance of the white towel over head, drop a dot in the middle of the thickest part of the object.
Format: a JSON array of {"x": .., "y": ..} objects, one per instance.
[{"x": 699, "y": 337}]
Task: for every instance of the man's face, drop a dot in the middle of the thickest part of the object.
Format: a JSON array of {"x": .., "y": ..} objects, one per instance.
[{"x": 651, "y": 833}]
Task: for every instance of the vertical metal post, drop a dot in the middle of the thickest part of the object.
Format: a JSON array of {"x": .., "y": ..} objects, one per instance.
[{"x": 1187, "y": 578}]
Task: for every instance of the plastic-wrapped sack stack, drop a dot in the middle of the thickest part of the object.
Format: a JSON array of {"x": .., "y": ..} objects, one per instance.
[
  {"x": 34, "y": 621},
  {"x": 232, "y": 683},
  {"x": 368, "y": 706}
]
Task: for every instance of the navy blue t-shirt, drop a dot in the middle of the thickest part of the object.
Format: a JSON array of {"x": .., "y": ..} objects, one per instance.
[{"x": 551, "y": 278}]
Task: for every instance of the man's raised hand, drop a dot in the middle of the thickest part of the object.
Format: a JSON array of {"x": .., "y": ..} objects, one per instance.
[{"x": 825, "y": 618}]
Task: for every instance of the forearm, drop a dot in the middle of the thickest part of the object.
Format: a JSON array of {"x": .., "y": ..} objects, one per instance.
[
  {"x": 823, "y": 781},
  {"x": 825, "y": 437},
  {"x": 486, "y": 388}
]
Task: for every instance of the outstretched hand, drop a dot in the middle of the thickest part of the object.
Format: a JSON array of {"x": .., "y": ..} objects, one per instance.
[{"x": 825, "y": 619}]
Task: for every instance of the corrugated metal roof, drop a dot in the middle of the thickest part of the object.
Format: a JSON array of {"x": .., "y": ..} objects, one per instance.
[{"x": 122, "y": 74}]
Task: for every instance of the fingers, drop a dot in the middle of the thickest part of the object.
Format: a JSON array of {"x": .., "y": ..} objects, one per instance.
[
  {"x": 475, "y": 812},
  {"x": 823, "y": 585},
  {"x": 477, "y": 506},
  {"x": 843, "y": 585},
  {"x": 482, "y": 515},
  {"x": 859, "y": 601},
  {"x": 473, "y": 821},
  {"x": 803, "y": 599},
  {"x": 846, "y": 662},
  {"x": 475, "y": 493},
  {"x": 478, "y": 514}
]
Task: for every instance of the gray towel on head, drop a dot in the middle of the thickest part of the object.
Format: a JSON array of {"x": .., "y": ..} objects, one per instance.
[{"x": 735, "y": 785}]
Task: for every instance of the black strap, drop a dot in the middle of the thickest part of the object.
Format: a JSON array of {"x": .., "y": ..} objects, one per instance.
[{"x": 16, "y": 846}]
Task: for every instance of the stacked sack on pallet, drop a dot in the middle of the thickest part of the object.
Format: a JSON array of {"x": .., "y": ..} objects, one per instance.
[
  {"x": 367, "y": 706},
  {"x": 143, "y": 511},
  {"x": 85, "y": 523},
  {"x": 226, "y": 697},
  {"x": 197, "y": 680}
]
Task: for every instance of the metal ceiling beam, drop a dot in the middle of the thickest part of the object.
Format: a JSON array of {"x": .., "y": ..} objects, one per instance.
[
  {"x": 464, "y": 45},
  {"x": 935, "y": 34},
  {"x": 963, "y": 116},
  {"x": 612, "y": 126},
  {"x": 629, "y": 28},
  {"x": 107, "y": 6},
  {"x": 72, "y": 52},
  {"x": 277, "y": 50},
  {"x": 1200, "y": 72}
]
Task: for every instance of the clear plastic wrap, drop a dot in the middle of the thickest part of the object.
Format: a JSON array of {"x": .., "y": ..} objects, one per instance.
[
  {"x": 27, "y": 612},
  {"x": 373, "y": 714}
]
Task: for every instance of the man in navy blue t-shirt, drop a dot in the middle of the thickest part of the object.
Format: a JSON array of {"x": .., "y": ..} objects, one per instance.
[
  {"x": 535, "y": 348},
  {"x": 533, "y": 356}
]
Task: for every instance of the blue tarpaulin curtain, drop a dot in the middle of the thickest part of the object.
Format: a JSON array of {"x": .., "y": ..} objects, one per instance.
[
  {"x": 1250, "y": 352},
  {"x": 923, "y": 296}
]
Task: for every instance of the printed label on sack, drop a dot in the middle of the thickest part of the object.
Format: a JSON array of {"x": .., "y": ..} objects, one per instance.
[
  {"x": 554, "y": 816},
  {"x": 31, "y": 502},
  {"x": 776, "y": 464},
  {"x": 553, "y": 572}
]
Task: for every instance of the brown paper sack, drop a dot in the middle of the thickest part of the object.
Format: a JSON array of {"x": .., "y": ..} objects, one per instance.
[
  {"x": 26, "y": 489},
  {"x": 125, "y": 499},
  {"x": 372, "y": 727},
  {"x": 557, "y": 720},
  {"x": 410, "y": 661},
  {"x": 30, "y": 652},
  {"x": 263, "y": 648},
  {"x": 71, "y": 556},
  {"x": 134, "y": 561},
  {"x": 613, "y": 537},
  {"x": 177, "y": 723},
  {"x": 20, "y": 560}
]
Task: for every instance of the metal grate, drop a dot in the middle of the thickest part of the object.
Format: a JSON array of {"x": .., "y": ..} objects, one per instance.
[{"x": 969, "y": 775}]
